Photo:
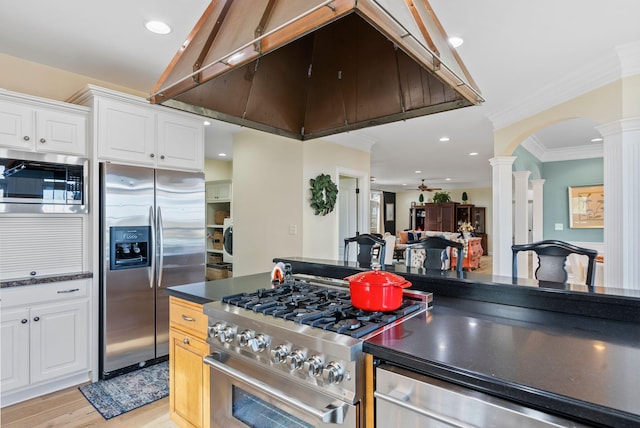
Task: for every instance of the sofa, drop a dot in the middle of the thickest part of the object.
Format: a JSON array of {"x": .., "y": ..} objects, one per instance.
[{"x": 407, "y": 237}]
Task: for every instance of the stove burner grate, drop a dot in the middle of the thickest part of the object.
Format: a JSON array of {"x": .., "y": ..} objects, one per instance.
[{"x": 319, "y": 307}]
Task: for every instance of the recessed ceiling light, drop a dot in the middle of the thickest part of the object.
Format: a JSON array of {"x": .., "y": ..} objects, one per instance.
[
  {"x": 158, "y": 27},
  {"x": 418, "y": 172},
  {"x": 222, "y": 155},
  {"x": 207, "y": 123},
  {"x": 456, "y": 41},
  {"x": 444, "y": 139},
  {"x": 473, "y": 154},
  {"x": 447, "y": 179},
  {"x": 404, "y": 184},
  {"x": 597, "y": 139}
]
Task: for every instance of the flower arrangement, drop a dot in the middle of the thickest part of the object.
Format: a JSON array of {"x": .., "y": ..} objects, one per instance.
[{"x": 466, "y": 227}]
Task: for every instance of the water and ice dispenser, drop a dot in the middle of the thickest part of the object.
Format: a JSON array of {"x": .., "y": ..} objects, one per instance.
[{"x": 130, "y": 247}]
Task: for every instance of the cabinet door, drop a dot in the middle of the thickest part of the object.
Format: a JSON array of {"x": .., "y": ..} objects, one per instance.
[
  {"x": 16, "y": 126},
  {"x": 180, "y": 142},
  {"x": 218, "y": 192},
  {"x": 448, "y": 216},
  {"x": 189, "y": 380},
  {"x": 14, "y": 349},
  {"x": 59, "y": 339},
  {"x": 60, "y": 132},
  {"x": 432, "y": 217},
  {"x": 125, "y": 133}
]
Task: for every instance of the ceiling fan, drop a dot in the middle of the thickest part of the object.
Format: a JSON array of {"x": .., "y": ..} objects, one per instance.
[{"x": 424, "y": 188}]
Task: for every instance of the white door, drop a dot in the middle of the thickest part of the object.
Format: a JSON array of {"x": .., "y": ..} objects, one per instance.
[
  {"x": 14, "y": 352},
  {"x": 59, "y": 340},
  {"x": 348, "y": 214}
]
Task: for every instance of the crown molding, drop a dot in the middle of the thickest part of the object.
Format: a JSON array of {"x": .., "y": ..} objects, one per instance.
[
  {"x": 601, "y": 71},
  {"x": 534, "y": 146},
  {"x": 629, "y": 56},
  {"x": 589, "y": 151}
]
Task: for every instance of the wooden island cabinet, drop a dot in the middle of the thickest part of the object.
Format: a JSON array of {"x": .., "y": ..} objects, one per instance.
[{"x": 188, "y": 376}]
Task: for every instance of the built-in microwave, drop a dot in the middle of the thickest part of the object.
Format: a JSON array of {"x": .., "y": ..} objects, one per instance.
[{"x": 42, "y": 183}]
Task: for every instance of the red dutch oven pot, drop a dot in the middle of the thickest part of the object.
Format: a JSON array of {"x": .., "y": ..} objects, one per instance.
[{"x": 377, "y": 290}]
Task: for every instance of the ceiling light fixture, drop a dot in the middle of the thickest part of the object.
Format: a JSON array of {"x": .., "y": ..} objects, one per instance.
[
  {"x": 222, "y": 155},
  {"x": 404, "y": 184},
  {"x": 456, "y": 41},
  {"x": 473, "y": 154},
  {"x": 447, "y": 179},
  {"x": 444, "y": 139},
  {"x": 597, "y": 139},
  {"x": 207, "y": 123},
  {"x": 418, "y": 172},
  {"x": 158, "y": 27}
]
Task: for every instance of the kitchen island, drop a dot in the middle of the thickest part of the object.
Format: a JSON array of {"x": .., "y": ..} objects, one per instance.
[{"x": 581, "y": 367}]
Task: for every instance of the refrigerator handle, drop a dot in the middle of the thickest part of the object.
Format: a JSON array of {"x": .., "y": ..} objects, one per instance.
[
  {"x": 152, "y": 273},
  {"x": 160, "y": 247}
]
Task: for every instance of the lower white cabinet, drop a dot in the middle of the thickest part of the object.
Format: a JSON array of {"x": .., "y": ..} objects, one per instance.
[{"x": 44, "y": 342}]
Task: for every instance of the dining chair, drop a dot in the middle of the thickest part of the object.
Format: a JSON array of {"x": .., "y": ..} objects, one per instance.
[
  {"x": 552, "y": 259},
  {"x": 435, "y": 250},
  {"x": 370, "y": 249}
]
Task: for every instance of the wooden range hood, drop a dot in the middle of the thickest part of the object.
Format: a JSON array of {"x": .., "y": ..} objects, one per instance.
[{"x": 310, "y": 68}]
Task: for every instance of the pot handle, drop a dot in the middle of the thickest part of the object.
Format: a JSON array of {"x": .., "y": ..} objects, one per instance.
[{"x": 404, "y": 284}]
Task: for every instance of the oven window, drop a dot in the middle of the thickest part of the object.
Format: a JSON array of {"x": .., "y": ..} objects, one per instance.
[{"x": 257, "y": 413}]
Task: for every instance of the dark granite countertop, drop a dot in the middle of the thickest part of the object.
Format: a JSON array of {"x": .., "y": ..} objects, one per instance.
[
  {"x": 209, "y": 291},
  {"x": 578, "y": 367},
  {"x": 18, "y": 282},
  {"x": 581, "y": 367}
]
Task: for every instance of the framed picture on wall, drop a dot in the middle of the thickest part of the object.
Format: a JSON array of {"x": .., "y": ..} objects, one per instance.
[
  {"x": 389, "y": 212},
  {"x": 586, "y": 207}
]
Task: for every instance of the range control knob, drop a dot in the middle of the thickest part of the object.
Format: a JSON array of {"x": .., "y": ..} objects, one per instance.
[
  {"x": 279, "y": 354},
  {"x": 259, "y": 343},
  {"x": 226, "y": 335},
  {"x": 245, "y": 337},
  {"x": 332, "y": 373},
  {"x": 295, "y": 360},
  {"x": 215, "y": 329},
  {"x": 313, "y": 366}
]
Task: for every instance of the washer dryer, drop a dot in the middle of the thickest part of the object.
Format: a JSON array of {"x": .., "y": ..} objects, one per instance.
[{"x": 227, "y": 241}]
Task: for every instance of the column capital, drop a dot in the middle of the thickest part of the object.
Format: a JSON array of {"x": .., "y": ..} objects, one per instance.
[
  {"x": 502, "y": 160},
  {"x": 521, "y": 175},
  {"x": 537, "y": 181},
  {"x": 619, "y": 126}
]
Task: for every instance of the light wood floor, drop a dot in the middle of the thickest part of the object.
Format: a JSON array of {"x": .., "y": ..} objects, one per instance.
[{"x": 69, "y": 409}]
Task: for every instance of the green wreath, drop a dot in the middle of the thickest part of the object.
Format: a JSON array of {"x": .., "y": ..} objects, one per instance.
[{"x": 324, "y": 193}]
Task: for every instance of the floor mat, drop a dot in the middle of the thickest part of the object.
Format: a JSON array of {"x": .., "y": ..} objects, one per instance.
[{"x": 129, "y": 391}]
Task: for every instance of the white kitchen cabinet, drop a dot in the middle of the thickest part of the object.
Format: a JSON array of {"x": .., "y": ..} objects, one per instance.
[
  {"x": 129, "y": 130},
  {"x": 45, "y": 338},
  {"x": 50, "y": 128},
  {"x": 14, "y": 352},
  {"x": 218, "y": 191},
  {"x": 126, "y": 132},
  {"x": 180, "y": 142}
]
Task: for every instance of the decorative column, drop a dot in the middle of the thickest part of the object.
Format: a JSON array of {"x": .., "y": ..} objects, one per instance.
[
  {"x": 521, "y": 218},
  {"x": 501, "y": 213},
  {"x": 621, "y": 203}
]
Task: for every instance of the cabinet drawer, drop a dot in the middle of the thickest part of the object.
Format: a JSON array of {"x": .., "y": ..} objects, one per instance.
[
  {"x": 188, "y": 317},
  {"x": 35, "y": 294}
]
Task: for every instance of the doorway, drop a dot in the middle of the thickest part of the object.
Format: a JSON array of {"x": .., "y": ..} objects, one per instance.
[{"x": 352, "y": 208}]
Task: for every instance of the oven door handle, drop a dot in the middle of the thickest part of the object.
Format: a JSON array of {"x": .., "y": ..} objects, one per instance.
[
  {"x": 333, "y": 415},
  {"x": 402, "y": 402}
]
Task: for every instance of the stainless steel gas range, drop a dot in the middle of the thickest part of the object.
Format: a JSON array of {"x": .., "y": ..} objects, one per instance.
[{"x": 291, "y": 356}]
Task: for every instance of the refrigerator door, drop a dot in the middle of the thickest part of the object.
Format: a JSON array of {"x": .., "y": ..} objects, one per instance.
[
  {"x": 127, "y": 311},
  {"x": 180, "y": 234}
]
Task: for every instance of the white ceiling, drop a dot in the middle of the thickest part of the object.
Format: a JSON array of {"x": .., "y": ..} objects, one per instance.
[{"x": 524, "y": 56}]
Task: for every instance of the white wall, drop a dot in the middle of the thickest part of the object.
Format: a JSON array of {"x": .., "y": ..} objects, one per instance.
[
  {"x": 267, "y": 188},
  {"x": 322, "y": 157},
  {"x": 217, "y": 170}
]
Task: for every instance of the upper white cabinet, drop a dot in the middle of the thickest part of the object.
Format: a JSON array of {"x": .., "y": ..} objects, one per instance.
[
  {"x": 218, "y": 191},
  {"x": 130, "y": 130},
  {"x": 38, "y": 125}
]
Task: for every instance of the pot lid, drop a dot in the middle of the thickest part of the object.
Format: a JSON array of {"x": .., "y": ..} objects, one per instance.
[{"x": 378, "y": 278}]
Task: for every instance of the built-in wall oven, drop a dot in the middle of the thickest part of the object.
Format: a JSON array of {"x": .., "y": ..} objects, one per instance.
[{"x": 291, "y": 356}]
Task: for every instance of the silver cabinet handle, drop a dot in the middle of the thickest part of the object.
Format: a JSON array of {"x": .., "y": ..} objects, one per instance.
[
  {"x": 72, "y": 290},
  {"x": 42, "y": 140},
  {"x": 185, "y": 341},
  {"x": 152, "y": 252},
  {"x": 424, "y": 412},
  {"x": 152, "y": 155},
  {"x": 161, "y": 156},
  {"x": 26, "y": 138},
  {"x": 36, "y": 319},
  {"x": 334, "y": 414},
  {"x": 24, "y": 321},
  {"x": 186, "y": 318}
]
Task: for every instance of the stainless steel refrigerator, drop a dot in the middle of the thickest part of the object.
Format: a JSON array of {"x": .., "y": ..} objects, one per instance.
[{"x": 152, "y": 237}]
